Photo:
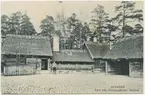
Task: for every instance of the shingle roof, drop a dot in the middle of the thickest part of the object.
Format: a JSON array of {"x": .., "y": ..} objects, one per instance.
[
  {"x": 26, "y": 45},
  {"x": 130, "y": 47},
  {"x": 72, "y": 56},
  {"x": 97, "y": 50}
]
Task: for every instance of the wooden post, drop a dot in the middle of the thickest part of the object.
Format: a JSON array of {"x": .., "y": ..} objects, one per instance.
[
  {"x": 4, "y": 70},
  {"x": 48, "y": 64},
  {"x": 129, "y": 68},
  {"x": 106, "y": 67}
]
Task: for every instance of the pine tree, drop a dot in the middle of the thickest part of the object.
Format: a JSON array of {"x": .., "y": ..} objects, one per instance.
[
  {"x": 99, "y": 19},
  {"x": 126, "y": 13}
]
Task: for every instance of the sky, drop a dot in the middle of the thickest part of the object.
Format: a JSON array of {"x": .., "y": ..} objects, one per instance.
[{"x": 37, "y": 10}]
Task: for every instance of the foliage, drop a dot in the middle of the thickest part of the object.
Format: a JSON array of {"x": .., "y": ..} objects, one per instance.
[
  {"x": 27, "y": 27},
  {"x": 47, "y": 26},
  {"x": 17, "y": 23},
  {"x": 4, "y": 24},
  {"x": 126, "y": 13},
  {"x": 99, "y": 18}
]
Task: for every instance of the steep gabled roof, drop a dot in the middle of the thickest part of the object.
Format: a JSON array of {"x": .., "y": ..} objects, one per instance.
[
  {"x": 129, "y": 47},
  {"x": 26, "y": 45},
  {"x": 97, "y": 50},
  {"x": 72, "y": 56}
]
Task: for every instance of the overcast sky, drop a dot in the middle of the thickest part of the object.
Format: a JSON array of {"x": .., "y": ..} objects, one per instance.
[{"x": 37, "y": 10}]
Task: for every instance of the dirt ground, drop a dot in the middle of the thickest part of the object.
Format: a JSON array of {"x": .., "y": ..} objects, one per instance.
[{"x": 71, "y": 83}]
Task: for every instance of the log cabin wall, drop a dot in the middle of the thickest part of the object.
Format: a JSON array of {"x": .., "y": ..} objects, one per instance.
[
  {"x": 136, "y": 68},
  {"x": 99, "y": 65},
  {"x": 131, "y": 67},
  {"x": 113, "y": 67},
  {"x": 26, "y": 66},
  {"x": 74, "y": 66}
]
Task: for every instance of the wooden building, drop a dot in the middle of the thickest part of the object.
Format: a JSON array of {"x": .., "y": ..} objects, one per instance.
[
  {"x": 73, "y": 60},
  {"x": 126, "y": 57},
  {"x": 23, "y": 55},
  {"x": 97, "y": 51}
]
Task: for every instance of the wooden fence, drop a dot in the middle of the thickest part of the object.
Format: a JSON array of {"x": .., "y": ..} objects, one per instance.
[{"x": 25, "y": 69}]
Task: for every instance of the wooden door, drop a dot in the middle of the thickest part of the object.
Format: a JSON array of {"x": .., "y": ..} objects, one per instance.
[{"x": 44, "y": 64}]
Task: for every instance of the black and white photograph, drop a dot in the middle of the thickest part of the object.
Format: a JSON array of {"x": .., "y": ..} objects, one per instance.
[{"x": 72, "y": 47}]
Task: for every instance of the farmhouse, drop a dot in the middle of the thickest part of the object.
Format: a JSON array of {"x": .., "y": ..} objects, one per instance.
[
  {"x": 25, "y": 54},
  {"x": 126, "y": 57}
]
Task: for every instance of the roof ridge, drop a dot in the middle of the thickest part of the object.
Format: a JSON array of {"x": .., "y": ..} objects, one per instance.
[
  {"x": 27, "y": 36},
  {"x": 72, "y": 50},
  {"x": 127, "y": 38}
]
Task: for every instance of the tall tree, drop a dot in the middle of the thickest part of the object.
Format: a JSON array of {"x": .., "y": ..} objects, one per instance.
[
  {"x": 27, "y": 27},
  {"x": 15, "y": 21},
  {"x": 4, "y": 24},
  {"x": 85, "y": 31},
  {"x": 47, "y": 26},
  {"x": 99, "y": 19},
  {"x": 75, "y": 32},
  {"x": 126, "y": 13}
]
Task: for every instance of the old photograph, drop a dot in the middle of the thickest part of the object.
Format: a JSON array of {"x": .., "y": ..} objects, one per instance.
[{"x": 71, "y": 47}]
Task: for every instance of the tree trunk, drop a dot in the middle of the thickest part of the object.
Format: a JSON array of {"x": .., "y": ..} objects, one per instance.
[{"x": 123, "y": 21}]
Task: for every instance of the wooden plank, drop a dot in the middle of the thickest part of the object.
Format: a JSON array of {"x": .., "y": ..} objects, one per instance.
[
  {"x": 130, "y": 69},
  {"x": 106, "y": 67}
]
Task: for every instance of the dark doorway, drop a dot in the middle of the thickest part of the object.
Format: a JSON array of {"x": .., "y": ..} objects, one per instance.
[
  {"x": 44, "y": 64},
  {"x": 125, "y": 67}
]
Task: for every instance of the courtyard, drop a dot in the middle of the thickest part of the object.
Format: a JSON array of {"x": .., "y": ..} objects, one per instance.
[{"x": 71, "y": 83}]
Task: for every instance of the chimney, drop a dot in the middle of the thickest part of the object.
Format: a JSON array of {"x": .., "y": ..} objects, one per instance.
[
  {"x": 55, "y": 43},
  {"x": 94, "y": 39}
]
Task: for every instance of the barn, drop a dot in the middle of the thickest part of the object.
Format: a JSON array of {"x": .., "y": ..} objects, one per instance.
[
  {"x": 22, "y": 55},
  {"x": 97, "y": 51},
  {"x": 126, "y": 57},
  {"x": 73, "y": 60}
]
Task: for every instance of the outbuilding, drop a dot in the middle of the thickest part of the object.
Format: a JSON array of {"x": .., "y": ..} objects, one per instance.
[
  {"x": 97, "y": 51},
  {"x": 126, "y": 57},
  {"x": 73, "y": 60},
  {"x": 23, "y": 54}
]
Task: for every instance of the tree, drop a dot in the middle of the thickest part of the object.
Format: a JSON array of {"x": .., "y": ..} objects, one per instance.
[
  {"x": 47, "y": 26},
  {"x": 77, "y": 34},
  {"x": 15, "y": 21},
  {"x": 138, "y": 29},
  {"x": 85, "y": 31},
  {"x": 126, "y": 14},
  {"x": 4, "y": 24},
  {"x": 99, "y": 19},
  {"x": 27, "y": 27},
  {"x": 75, "y": 31}
]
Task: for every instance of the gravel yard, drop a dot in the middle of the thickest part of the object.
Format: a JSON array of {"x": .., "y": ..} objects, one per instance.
[{"x": 71, "y": 83}]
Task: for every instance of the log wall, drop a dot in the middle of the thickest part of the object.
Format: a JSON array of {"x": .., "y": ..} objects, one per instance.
[
  {"x": 75, "y": 67},
  {"x": 136, "y": 68},
  {"x": 113, "y": 67}
]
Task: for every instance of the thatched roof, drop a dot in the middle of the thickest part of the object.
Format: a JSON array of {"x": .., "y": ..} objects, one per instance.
[
  {"x": 97, "y": 50},
  {"x": 72, "y": 56},
  {"x": 26, "y": 45},
  {"x": 128, "y": 48}
]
